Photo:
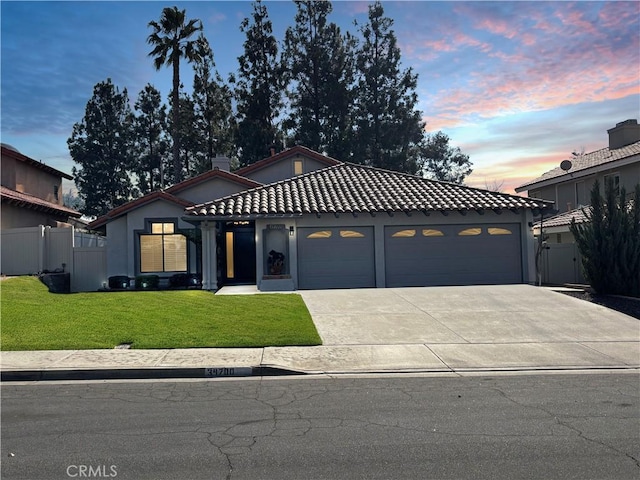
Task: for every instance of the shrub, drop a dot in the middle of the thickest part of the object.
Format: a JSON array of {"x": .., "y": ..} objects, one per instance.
[
  {"x": 147, "y": 282},
  {"x": 609, "y": 241}
]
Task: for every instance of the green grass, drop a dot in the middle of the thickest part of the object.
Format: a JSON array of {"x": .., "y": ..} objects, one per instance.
[{"x": 34, "y": 319}]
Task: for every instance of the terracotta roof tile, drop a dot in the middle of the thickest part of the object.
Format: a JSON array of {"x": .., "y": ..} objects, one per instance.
[
  {"x": 23, "y": 199},
  {"x": 353, "y": 189},
  {"x": 564, "y": 219}
]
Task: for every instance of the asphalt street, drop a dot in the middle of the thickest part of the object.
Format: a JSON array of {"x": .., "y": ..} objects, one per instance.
[{"x": 560, "y": 426}]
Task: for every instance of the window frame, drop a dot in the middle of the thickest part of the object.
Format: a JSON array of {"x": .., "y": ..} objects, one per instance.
[{"x": 148, "y": 231}]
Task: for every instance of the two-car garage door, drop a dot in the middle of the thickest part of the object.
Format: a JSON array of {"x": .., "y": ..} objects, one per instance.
[
  {"x": 344, "y": 257},
  {"x": 452, "y": 255}
]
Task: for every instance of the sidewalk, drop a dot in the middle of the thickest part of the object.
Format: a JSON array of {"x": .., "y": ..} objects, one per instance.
[{"x": 333, "y": 359}]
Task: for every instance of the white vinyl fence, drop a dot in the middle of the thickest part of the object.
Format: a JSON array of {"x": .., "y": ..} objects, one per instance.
[
  {"x": 31, "y": 250},
  {"x": 562, "y": 263}
]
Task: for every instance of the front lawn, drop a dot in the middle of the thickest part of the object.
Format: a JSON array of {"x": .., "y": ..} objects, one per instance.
[{"x": 34, "y": 319}]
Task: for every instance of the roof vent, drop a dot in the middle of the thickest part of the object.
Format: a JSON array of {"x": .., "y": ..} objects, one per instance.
[{"x": 623, "y": 134}]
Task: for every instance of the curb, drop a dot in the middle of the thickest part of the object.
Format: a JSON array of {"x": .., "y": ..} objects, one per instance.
[{"x": 143, "y": 373}]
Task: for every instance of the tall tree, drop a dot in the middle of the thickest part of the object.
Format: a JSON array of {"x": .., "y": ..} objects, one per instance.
[
  {"x": 101, "y": 144},
  {"x": 259, "y": 88},
  {"x": 214, "y": 120},
  {"x": 151, "y": 142},
  {"x": 389, "y": 126},
  {"x": 441, "y": 161},
  {"x": 319, "y": 64},
  {"x": 171, "y": 42}
]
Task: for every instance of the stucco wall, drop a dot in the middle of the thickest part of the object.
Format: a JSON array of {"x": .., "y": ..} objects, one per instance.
[
  {"x": 284, "y": 169},
  {"x": 211, "y": 190},
  {"x": 24, "y": 178}
]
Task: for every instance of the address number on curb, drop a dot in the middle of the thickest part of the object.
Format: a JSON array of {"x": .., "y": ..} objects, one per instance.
[{"x": 226, "y": 372}]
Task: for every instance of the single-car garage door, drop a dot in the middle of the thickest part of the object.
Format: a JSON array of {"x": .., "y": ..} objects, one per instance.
[
  {"x": 452, "y": 255},
  {"x": 336, "y": 257}
]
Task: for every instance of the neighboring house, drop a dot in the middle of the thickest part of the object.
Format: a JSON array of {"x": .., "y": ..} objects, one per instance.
[
  {"x": 31, "y": 192},
  {"x": 321, "y": 223},
  {"x": 570, "y": 190}
]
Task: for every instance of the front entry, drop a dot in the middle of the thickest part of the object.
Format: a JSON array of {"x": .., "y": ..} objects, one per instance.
[{"x": 238, "y": 253}]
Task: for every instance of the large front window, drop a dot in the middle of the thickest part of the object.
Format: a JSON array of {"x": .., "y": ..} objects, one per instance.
[{"x": 163, "y": 250}]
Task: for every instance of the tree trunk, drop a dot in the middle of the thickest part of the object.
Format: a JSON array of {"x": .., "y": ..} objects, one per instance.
[{"x": 177, "y": 165}]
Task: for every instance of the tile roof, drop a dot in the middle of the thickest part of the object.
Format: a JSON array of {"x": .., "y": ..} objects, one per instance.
[
  {"x": 29, "y": 201},
  {"x": 564, "y": 219},
  {"x": 349, "y": 188},
  {"x": 8, "y": 152},
  {"x": 297, "y": 150},
  {"x": 137, "y": 203},
  {"x": 586, "y": 161}
]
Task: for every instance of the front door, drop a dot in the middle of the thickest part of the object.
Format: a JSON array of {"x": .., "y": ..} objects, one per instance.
[{"x": 239, "y": 253}]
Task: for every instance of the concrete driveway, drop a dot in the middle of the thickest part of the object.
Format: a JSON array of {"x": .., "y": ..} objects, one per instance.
[{"x": 458, "y": 328}]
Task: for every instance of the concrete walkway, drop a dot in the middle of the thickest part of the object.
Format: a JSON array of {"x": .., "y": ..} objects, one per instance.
[{"x": 435, "y": 329}]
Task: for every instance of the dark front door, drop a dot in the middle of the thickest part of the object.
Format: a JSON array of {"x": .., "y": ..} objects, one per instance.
[{"x": 239, "y": 253}]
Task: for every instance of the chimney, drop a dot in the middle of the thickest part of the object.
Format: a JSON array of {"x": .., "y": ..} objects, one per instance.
[
  {"x": 623, "y": 134},
  {"x": 220, "y": 163}
]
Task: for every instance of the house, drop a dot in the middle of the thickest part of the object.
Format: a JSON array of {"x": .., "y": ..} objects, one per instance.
[
  {"x": 31, "y": 192},
  {"x": 569, "y": 187},
  {"x": 301, "y": 220},
  {"x": 148, "y": 235}
]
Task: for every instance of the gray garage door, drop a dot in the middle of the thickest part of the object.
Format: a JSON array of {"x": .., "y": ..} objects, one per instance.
[
  {"x": 336, "y": 257},
  {"x": 453, "y": 255}
]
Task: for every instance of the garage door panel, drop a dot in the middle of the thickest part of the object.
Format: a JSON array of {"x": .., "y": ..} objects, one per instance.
[
  {"x": 453, "y": 259},
  {"x": 336, "y": 258}
]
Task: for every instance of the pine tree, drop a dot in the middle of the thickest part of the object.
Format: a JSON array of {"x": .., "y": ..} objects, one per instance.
[
  {"x": 389, "y": 126},
  {"x": 442, "y": 162},
  {"x": 101, "y": 144},
  {"x": 319, "y": 67},
  {"x": 214, "y": 121},
  {"x": 152, "y": 143},
  {"x": 609, "y": 241},
  {"x": 259, "y": 89}
]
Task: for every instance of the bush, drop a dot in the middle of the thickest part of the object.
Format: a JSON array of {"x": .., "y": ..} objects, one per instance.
[
  {"x": 147, "y": 282},
  {"x": 609, "y": 241}
]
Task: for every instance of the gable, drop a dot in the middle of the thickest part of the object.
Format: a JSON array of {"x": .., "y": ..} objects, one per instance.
[
  {"x": 289, "y": 163},
  {"x": 215, "y": 187}
]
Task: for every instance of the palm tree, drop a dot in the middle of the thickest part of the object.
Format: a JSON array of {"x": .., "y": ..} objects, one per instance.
[{"x": 170, "y": 39}]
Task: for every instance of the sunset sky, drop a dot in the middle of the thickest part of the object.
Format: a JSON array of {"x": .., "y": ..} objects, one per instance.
[{"x": 517, "y": 86}]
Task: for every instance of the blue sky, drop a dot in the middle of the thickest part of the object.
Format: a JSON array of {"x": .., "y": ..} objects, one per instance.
[{"x": 517, "y": 86}]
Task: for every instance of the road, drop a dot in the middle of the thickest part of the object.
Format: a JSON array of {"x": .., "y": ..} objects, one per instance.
[{"x": 556, "y": 426}]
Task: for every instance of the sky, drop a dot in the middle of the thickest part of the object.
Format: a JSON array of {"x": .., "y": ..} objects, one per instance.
[{"x": 516, "y": 85}]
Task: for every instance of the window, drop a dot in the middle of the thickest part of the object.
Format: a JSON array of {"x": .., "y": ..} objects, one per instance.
[
  {"x": 470, "y": 232},
  {"x": 432, "y": 232},
  {"x": 297, "y": 167},
  {"x": 55, "y": 193},
  {"x": 499, "y": 231},
  {"x": 162, "y": 250},
  {"x": 320, "y": 234},
  {"x": 615, "y": 179},
  {"x": 351, "y": 234},
  {"x": 404, "y": 234}
]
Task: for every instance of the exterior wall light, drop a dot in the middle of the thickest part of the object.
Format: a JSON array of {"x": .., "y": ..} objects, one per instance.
[{"x": 291, "y": 231}]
